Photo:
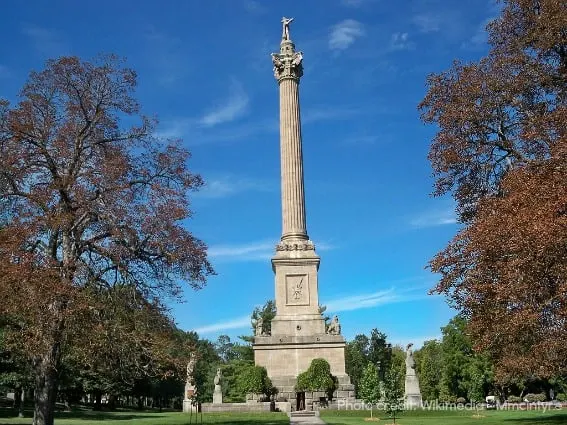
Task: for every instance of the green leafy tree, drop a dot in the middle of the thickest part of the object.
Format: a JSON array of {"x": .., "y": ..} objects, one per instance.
[
  {"x": 393, "y": 393},
  {"x": 267, "y": 313},
  {"x": 398, "y": 365},
  {"x": 254, "y": 380},
  {"x": 355, "y": 362},
  {"x": 429, "y": 367},
  {"x": 370, "y": 386},
  {"x": 379, "y": 351},
  {"x": 317, "y": 377}
]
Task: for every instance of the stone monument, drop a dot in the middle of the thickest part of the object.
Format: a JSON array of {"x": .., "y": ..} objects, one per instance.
[
  {"x": 412, "y": 394},
  {"x": 298, "y": 332},
  {"x": 217, "y": 394},
  {"x": 189, "y": 398}
]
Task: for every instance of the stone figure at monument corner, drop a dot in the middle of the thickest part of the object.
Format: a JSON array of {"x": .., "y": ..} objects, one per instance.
[
  {"x": 189, "y": 404},
  {"x": 191, "y": 369},
  {"x": 259, "y": 328},
  {"x": 410, "y": 362},
  {"x": 334, "y": 326}
]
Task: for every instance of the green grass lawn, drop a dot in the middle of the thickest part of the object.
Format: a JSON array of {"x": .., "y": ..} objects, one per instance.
[
  {"x": 492, "y": 417},
  {"x": 87, "y": 417}
]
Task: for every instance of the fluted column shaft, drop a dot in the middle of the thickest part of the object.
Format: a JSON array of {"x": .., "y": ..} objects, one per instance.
[{"x": 293, "y": 197}]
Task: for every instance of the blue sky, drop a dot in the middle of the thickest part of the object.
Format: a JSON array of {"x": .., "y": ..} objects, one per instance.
[{"x": 204, "y": 69}]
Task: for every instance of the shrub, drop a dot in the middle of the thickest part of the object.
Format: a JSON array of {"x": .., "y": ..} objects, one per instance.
[
  {"x": 561, "y": 397},
  {"x": 514, "y": 399},
  {"x": 317, "y": 378},
  {"x": 254, "y": 379},
  {"x": 533, "y": 398}
]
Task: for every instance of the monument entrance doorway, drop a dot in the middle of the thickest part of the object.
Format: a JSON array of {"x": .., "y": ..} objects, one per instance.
[{"x": 300, "y": 401}]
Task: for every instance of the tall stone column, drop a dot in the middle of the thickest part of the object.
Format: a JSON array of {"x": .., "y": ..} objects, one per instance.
[{"x": 288, "y": 70}]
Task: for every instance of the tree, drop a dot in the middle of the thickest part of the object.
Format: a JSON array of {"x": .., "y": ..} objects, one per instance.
[
  {"x": 254, "y": 379},
  {"x": 316, "y": 378},
  {"x": 501, "y": 149},
  {"x": 89, "y": 205},
  {"x": 267, "y": 312},
  {"x": 393, "y": 393},
  {"x": 369, "y": 390},
  {"x": 355, "y": 362},
  {"x": 379, "y": 351},
  {"x": 429, "y": 367}
]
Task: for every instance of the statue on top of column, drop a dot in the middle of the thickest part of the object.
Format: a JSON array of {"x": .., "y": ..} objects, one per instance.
[{"x": 285, "y": 29}]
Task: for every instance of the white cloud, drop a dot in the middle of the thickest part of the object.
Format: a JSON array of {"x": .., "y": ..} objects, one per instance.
[
  {"x": 400, "y": 41},
  {"x": 236, "y": 323},
  {"x": 434, "y": 218},
  {"x": 345, "y": 34},
  {"x": 325, "y": 113},
  {"x": 252, "y": 251},
  {"x": 427, "y": 23},
  {"x": 46, "y": 41},
  {"x": 370, "y": 300},
  {"x": 262, "y": 250},
  {"x": 234, "y": 107},
  {"x": 354, "y": 302},
  {"x": 229, "y": 185}
]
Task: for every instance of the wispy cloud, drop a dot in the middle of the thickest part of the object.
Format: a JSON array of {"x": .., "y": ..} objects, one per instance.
[
  {"x": 427, "y": 22},
  {"x": 433, "y": 218},
  {"x": 479, "y": 38},
  {"x": 400, "y": 41},
  {"x": 225, "y": 186},
  {"x": 229, "y": 110},
  {"x": 325, "y": 113},
  {"x": 236, "y": 323},
  {"x": 344, "y": 34},
  {"x": 350, "y": 303},
  {"x": 46, "y": 41},
  {"x": 253, "y": 251},
  {"x": 168, "y": 56},
  {"x": 372, "y": 299}
]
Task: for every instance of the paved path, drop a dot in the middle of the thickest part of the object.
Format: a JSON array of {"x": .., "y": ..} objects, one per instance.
[{"x": 306, "y": 420}]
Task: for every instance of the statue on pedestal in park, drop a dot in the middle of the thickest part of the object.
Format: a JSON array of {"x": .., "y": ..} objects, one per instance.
[
  {"x": 217, "y": 395},
  {"x": 412, "y": 393}
]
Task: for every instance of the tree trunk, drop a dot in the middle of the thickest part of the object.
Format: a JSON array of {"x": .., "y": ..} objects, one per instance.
[
  {"x": 45, "y": 390},
  {"x": 22, "y": 402}
]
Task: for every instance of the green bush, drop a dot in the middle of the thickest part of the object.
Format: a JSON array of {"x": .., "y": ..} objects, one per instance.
[
  {"x": 561, "y": 397},
  {"x": 254, "y": 379},
  {"x": 514, "y": 399},
  {"x": 533, "y": 398},
  {"x": 316, "y": 378}
]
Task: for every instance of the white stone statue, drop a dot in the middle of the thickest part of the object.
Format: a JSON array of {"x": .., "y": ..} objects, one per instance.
[
  {"x": 410, "y": 362},
  {"x": 334, "y": 326},
  {"x": 412, "y": 393},
  {"x": 217, "y": 394},
  {"x": 285, "y": 29},
  {"x": 191, "y": 368},
  {"x": 259, "y": 331}
]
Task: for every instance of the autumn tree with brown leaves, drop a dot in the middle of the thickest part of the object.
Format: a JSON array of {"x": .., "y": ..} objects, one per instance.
[
  {"x": 89, "y": 206},
  {"x": 501, "y": 149}
]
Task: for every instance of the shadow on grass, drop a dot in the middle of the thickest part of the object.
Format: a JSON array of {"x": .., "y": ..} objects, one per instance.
[
  {"x": 544, "y": 419},
  {"x": 86, "y": 414}
]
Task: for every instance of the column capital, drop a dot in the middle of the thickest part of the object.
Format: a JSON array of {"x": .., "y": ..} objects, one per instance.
[{"x": 288, "y": 62}]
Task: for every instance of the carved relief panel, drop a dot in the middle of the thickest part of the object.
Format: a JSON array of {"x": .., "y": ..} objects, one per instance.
[{"x": 297, "y": 289}]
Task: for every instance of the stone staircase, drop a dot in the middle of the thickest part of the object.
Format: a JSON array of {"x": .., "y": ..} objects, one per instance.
[{"x": 303, "y": 414}]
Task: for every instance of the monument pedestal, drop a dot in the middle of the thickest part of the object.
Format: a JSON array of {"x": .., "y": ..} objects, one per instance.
[
  {"x": 412, "y": 393},
  {"x": 189, "y": 403}
]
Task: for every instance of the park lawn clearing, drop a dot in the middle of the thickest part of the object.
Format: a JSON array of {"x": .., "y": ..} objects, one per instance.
[
  {"x": 87, "y": 417},
  {"x": 438, "y": 417}
]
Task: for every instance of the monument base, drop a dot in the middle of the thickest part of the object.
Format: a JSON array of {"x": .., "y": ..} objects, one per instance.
[
  {"x": 285, "y": 357},
  {"x": 189, "y": 407},
  {"x": 413, "y": 401},
  {"x": 217, "y": 397}
]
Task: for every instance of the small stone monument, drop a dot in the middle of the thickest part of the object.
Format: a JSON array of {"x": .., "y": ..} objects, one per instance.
[
  {"x": 217, "y": 395},
  {"x": 412, "y": 394},
  {"x": 334, "y": 327},
  {"x": 189, "y": 398}
]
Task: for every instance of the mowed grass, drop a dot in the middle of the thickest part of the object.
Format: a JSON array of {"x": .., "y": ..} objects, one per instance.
[
  {"x": 425, "y": 417},
  {"x": 86, "y": 417}
]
